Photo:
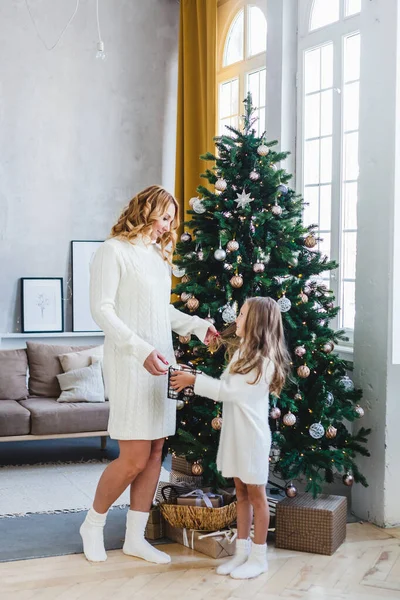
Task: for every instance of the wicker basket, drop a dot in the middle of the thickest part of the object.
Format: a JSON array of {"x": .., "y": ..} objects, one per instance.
[{"x": 198, "y": 517}]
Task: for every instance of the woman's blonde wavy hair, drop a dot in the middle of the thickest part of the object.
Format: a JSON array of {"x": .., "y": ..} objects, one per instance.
[
  {"x": 138, "y": 218},
  {"x": 263, "y": 338}
]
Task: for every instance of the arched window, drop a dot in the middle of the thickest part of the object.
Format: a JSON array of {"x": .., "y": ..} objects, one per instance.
[
  {"x": 329, "y": 73},
  {"x": 242, "y": 61}
]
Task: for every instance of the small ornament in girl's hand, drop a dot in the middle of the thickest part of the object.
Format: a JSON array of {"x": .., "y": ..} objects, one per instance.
[{"x": 172, "y": 393}]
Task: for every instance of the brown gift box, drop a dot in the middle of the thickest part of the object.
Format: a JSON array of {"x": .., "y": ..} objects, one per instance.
[
  {"x": 191, "y": 501},
  {"x": 193, "y": 481},
  {"x": 170, "y": 493},
  {"x": 216, "y": 546},
  {"x": 311, "y": 525},
  {"x": 180, "y": 464},
  {"x": 155, "y": 516},
  {"x": 154, "y": 531}
]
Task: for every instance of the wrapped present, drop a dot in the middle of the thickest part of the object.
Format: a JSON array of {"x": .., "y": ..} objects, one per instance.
[
  {"x": 171, "y": 491},
  {"x": 154, "y": 531},
  {"x": 201, "y": 498},
  {"x": 180, "y": 464},
  {"x": 155, "y": 517},
  {"x": 312, "y": 525},
  {"x": 192, "y": 481},
  {"x": 217, "y": 544}
]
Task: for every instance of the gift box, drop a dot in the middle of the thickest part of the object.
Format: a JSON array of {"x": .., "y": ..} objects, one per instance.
[
  {"x": 171, "y": 491},
  {"x": 217, "y": 544},
  {"x": 180, "y": 464},
  {"x": 154, "y": 531},
  {"x": 191, "y": 481},
  {"x": 201, "y": 498},
  {"x": 312, "y": 525}
]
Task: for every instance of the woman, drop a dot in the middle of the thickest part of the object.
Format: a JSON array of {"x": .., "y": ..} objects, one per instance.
[{"x": 130, "y": 300}]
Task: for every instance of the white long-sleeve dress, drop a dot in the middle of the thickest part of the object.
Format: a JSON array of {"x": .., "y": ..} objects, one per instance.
[
  {"x": 130, "y": 287},
  {"x": 245, "y": 440}
]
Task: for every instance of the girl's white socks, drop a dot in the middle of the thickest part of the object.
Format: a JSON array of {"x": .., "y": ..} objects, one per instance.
[
  {"x": 256, "y": 564},
  {"x": 135, "y": 542},
  {"x": 92, "y": 536},
  {"x": 241, "y": 554}
]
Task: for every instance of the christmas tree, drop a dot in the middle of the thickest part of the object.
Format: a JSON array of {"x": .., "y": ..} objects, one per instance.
[{"x": 246, "y": 238}]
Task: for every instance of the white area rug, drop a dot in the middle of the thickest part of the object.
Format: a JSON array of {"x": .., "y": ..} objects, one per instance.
[{"x": 53, "y": 487}]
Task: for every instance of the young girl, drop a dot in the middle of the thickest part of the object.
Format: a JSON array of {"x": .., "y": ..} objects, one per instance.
[{"x": 258, "y": 367}]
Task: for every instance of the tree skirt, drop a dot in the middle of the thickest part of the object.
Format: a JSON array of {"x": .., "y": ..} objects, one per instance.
[{"x": 53, "y": 487}]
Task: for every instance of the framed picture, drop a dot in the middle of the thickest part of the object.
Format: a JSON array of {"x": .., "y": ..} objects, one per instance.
[
  {"x": 42, "y": 304},
  {"x": 82, "y": 253}
]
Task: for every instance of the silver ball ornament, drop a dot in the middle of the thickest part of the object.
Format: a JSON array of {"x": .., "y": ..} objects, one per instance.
[
  {"x": 199, "y": 207},
  {"x": 284, "y": 304},
  {"x": 348, "y": 479},
  {"x": 276, "y": 210},
  {"x": 329, "y": 399},
  {"x": 220, "y": 254},
  {"x": 258, "y": 267},
  {"x": 359, "y": 411},
  {"x": 228, "y": 267},
  {"x": 282, "y": 189},
  {"x": 291, "y": 491},
  {"x": 346, "y": 384},
  {"x": 316, "y": 431},
  {"x": 186, "y": 237},
  {"x": 178, "y": 272},
  {"x": 229, "y": 314},
  {"x": 275, "y": 412},
  {"x": 180, "y": 404},
  {"x": 300, "y": 351}
]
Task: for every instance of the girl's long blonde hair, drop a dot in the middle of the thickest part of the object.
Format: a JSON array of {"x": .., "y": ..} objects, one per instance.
[
  {"x": 138, "y": 217},
  {"x": 263, "y": 338}
]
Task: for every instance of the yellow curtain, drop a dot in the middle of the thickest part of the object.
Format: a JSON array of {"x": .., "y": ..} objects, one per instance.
[{"x": 196, "y": 125}]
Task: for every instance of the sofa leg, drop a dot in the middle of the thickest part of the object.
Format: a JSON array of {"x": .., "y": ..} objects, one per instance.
[{"x": 103, "y": 441}]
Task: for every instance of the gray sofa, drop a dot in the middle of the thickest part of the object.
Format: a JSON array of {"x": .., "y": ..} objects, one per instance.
[{"x": 29, "y": 390}]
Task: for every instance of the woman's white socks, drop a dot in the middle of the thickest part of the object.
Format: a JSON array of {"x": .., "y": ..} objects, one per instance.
[
  {"x": 256, "y": 564},
  {"x": 92, "y": 536},
  {"x": 241, "y": 554},
  {"x": 135, "y": 542}
]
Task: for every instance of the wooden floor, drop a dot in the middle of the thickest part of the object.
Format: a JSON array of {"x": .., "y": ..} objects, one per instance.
[{"x": 367, "y": 566}]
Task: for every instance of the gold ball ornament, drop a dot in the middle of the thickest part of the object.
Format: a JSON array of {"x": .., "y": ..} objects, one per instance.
[
  {"x": 291, "y": 491},
  {"x": 193, "y": 304},
  {"x": 310, "y": 241},
  {"x": 303, "y": 371},
  {"x": 262, "y": 150},
  {"x": 359, "y": 411},
  {"x": 303, "y": 297},
  {"x": 184, "y": 339},
  {"x": 216, "y": 423},
  {"x": 236, "y": 281},
  {"x": 300, "y": 351},
  {"x": 331, "y": 432},
  {"x": 348, "y": 479},
  {"x": 258, "y": 267},
  {"x": 197, "y": 469},
  {"x": 232, "y": 246},
  {"x": 328, "y": 347},
  {"x": 185, "y": 296},
  {"x": 275, "y": 412},
  {"x": 185, "y": 279},
  {"x": 289, "y": 419},
  {"x": 221, "y": 185}
]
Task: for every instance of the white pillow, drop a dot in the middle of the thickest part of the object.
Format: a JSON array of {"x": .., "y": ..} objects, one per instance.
[
  {"x": 78, "y": 360},
  {"x": 82, "y": 385}
]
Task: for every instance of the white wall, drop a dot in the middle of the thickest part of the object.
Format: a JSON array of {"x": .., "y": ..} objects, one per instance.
[
  {"x": 78, "y": 136},
  {"x": 378, "y": 199}
]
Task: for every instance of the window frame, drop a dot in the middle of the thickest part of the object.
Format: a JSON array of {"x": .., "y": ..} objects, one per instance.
[
  {"x": 336, "y": 33},
  {"x": 240, "y": 69}
]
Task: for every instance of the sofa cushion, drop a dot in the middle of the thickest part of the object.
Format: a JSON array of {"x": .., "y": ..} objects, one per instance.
[
  {"x": 14, "y": 418},
  {"x": 77, "y": 360},
  {"x": 82, "y": 385},
  {"x": 49, "y": 416},
  {"x": 44, "y": 366},
  {"x": 13, "y": 368}
]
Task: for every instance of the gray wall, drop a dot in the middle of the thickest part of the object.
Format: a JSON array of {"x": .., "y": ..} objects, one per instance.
[{"x": 79, "y": 136}]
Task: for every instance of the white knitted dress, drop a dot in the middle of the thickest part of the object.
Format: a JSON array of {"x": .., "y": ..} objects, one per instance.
[
  {"x": 245, "y": 440},
  {"x": 130, "y": 289}
]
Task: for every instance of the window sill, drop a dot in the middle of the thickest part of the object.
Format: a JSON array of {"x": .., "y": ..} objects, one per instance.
[{"x": 345, "y": 352}]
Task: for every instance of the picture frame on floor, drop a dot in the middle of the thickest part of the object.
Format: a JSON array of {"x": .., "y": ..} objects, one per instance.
[
  {"x": 82, "y": 253},
  {"x": 42, "y": 305}
]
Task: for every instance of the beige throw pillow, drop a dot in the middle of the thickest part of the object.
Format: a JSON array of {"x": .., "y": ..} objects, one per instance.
[
  {"x": 82, "y": 385},
  {"x": 77, "y": 360}
]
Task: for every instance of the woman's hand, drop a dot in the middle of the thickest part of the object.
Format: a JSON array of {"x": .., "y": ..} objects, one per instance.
[
  {"x": 182, "y": 379},
  {"x": 210, "y": 335},
  {"x": 155, "y": 364}
]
